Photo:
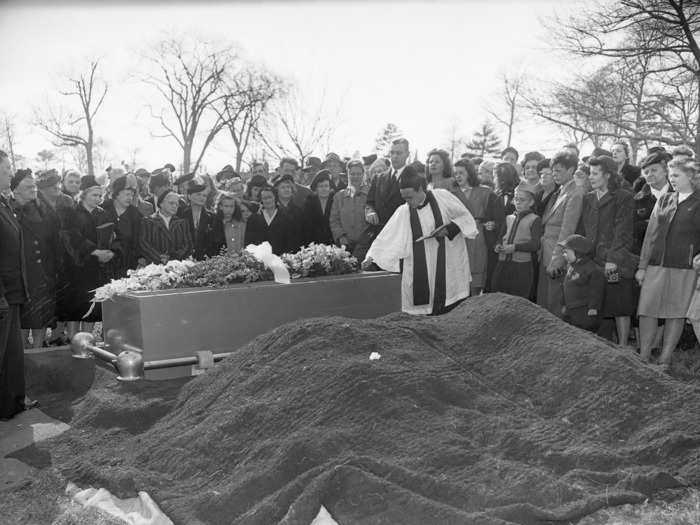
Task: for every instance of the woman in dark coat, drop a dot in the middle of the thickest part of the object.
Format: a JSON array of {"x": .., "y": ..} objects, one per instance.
[
  {"x": 317, "y": 210},
  {"x": 271, "y": 224},
  {"x": 607, "y": 220},
  {"x": 127, "y": 219},
  {"x": 206, "y": 231},
  {"x": 91, "y": 250},
  {"x": 164, "y": 236},
  {"x": 40, "y": 241}
]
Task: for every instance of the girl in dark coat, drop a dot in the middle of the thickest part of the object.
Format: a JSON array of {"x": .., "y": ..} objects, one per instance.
[
  {"x": 317, "y": 210},
  {"x": 41, "y": 251},
  {"x": 271, "y": 224},
  {"x": 91, "y": 250},
  {"x": 127, "y": 220},
  {"x": 607, "y": 220}
]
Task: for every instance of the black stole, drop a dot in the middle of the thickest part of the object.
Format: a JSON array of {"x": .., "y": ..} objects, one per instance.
[{"x": 421, "y": 286}]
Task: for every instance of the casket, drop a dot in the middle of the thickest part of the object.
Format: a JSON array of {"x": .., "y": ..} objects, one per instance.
[{"x": 178, "y": 323}]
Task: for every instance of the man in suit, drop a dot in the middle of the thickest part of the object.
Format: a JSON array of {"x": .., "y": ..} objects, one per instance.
[
  {"x": 559, "y": 220},
  {"x": 383, "y": 197},
  {"x": 13, "y": 293},
  {"x": 289, "y": 168}
]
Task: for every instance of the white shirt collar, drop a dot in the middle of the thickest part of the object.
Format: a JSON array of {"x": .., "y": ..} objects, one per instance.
[
  {"x": 269, "y": 218},
  {"x": 658, "y": 193}
]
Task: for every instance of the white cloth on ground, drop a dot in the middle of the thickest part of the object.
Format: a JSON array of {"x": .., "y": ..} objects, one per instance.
[{"x": 141, "y": 510}]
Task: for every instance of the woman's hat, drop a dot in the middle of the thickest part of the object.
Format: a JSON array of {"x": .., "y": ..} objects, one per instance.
[
  {"x": 120, "y": 184},
  {"x": 578, "y": 243},
  {"x": 88, "y": 182},
  {"x": 323, "y": 175},
  {"x": 196, "y": 185},
  {"x": 19, "y": 177},
  {"x": 48, "y": 178},
  {"x": 257, "y": 181},
  {"x": 163, "y": 195}
]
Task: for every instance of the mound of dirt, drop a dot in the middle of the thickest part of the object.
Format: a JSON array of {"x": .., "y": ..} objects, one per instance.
[{"x": 495, "y": 413}]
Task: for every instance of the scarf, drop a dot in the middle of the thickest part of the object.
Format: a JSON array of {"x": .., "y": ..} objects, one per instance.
[{"x": 421, "y": 286}]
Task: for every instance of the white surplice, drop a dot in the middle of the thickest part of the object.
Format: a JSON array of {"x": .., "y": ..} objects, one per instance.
[{"x": 395, "y": 242}]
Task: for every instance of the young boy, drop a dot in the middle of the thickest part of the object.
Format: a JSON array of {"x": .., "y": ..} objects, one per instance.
[
  {"x": 584, "y": 284},
  {"x": 515, "y": 272}
]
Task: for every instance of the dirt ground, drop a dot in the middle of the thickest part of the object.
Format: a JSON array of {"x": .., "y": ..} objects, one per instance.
[{"x": 111, "y": 420}]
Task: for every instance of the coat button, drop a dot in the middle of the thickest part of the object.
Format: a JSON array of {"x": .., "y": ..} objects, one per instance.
[
  {"x": 36, "y": 243},
  {"x": 38, "y": 261},
  {"x": 38, "y": 252}
]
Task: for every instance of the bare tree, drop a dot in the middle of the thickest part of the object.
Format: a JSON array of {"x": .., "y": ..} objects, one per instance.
[
  {"x": 296, "y": 131},
  {"x": 190, "y": 77},
  {"x": 76, "y": 128},
  {"x": 609, "y": 30},
  {"x": 511, "y": 100},
  {"x": 9, "y": 139},
  {"x": 247, "y": 97},
  {"x": 455, "y": 138}
]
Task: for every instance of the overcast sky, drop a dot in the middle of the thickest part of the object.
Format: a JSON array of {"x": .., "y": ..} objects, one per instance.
[{"x": 425, "y": 66}]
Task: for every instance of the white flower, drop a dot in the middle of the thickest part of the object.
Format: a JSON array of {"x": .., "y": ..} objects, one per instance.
[{"x": 374, "y": 356}]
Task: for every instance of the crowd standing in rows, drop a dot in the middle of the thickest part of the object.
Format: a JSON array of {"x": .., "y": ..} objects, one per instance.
[{"x": 602, "y": 243}]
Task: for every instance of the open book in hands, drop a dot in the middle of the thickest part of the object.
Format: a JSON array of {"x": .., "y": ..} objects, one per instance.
[{"x": 432, "y": 234}]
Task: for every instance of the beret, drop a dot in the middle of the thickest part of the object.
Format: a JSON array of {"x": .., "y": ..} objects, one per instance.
[
  {"x": 19, "y": 177},
  {"x": 655, "y": 158},
  {"x": 142, "y": 173}
]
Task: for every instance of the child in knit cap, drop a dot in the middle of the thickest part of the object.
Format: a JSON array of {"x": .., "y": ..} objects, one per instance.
[{"x": 584, "y": 284}]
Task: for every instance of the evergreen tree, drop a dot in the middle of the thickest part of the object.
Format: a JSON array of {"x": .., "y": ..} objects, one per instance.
[
  {"x": 485, "y": 142},
  {"x": 383, "y": 141}
]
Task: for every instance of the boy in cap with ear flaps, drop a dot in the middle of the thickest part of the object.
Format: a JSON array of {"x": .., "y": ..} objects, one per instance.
[{"x": 584, "y": 284}]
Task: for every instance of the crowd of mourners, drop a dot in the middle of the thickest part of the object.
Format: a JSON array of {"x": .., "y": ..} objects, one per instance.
[{"x": 604, "y": 244}]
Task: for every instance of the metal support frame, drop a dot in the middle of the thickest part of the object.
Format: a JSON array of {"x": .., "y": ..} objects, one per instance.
[{"x": 129, "y": 363}]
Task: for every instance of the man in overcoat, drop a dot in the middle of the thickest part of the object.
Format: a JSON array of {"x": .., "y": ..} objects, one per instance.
[
  {"x": 559, "y": 220},
  {"x": 13, "y": 293}
]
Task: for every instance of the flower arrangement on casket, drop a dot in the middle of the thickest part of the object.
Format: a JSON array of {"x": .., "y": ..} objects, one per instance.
[
  {"x": 317, "y": 260},
  {"x": 147, "y": 279},
  {"x": 222, "y": 270}
]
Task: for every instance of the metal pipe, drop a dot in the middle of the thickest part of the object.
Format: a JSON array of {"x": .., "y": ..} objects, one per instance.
[{"x": 179, "y": 361}]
